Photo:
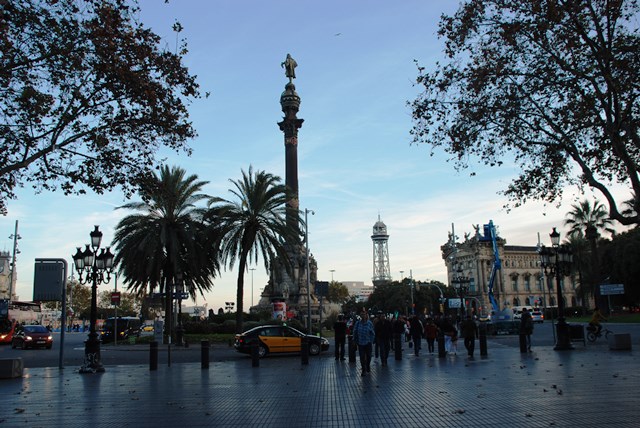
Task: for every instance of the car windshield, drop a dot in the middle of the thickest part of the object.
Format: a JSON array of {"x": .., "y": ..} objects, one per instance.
[
  {"x": 35, "y": 329},
  {"x": 298, "y": 332}
]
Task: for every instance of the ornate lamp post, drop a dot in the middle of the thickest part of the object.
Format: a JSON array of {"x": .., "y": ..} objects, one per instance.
[
  {"x": 97, "y": 266},
  {"x": 229, "y": 306},
  {"x": 557, "y": 261},
  {"x": 461, "y": 284}
]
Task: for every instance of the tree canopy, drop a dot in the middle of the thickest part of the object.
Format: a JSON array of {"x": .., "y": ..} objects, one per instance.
[
  {"x": 87, "y": 97},
  {"x": 549, "y": 85}
]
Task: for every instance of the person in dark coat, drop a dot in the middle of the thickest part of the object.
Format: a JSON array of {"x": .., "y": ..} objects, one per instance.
[
  {"x": 340, "y": 330},
  {"x": 469, "y": 331},
  {"x": 384, "y": 335},
  {"x": 416, "y": 330}
]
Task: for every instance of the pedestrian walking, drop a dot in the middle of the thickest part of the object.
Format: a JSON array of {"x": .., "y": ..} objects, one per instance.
[
  {"x": 340, "y": 331},
  {"x": 526, "y": 326},
  {"x": 416, "y": 330},
  {"x": 384, "y": 334},
  {"x": 449, "y": 333},
  {"x": 430, "y": 333},
  {"x": 469, "y": 331},
  {"x": 364, "y": 336}
]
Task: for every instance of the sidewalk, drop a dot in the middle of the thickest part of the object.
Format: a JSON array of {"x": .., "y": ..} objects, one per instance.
[{"x": 586, "y": 387}]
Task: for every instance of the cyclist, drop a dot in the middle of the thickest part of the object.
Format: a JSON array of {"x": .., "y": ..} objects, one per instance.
[{"x": 595, "y": 320}]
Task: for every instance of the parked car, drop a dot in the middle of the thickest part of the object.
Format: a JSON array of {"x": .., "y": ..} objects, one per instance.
[
  {"x": 126, "y": 326},
  {"x": 32, "y": 336},
  {"x": 147, "y": 328},
  {"x": 537, "y": 315},
  {"x": 277, "y": 339}
]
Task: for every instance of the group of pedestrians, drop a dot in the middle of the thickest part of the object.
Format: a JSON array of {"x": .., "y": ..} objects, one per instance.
[{"x": 382, "y": 335}]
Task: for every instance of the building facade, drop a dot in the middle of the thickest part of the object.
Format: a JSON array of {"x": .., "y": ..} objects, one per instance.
[{"x": 519, "y": 279}]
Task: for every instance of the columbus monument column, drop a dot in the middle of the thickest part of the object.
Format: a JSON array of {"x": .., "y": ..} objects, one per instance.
[
  {"x": 283, "y": 286},
  {"x": 290, "y": 102}
]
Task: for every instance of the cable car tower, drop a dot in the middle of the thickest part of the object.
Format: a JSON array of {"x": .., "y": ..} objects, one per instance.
[{"x": 381, "y": 269}]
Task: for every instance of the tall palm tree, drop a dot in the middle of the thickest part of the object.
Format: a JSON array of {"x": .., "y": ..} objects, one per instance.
[
  {"x": 253, "y": 224},
  {"x": 583, "y": 217},
  {"x": 587, "y": 221},
  {"x": 167, "y": 241},
  {"x": 581, "y": 262}
]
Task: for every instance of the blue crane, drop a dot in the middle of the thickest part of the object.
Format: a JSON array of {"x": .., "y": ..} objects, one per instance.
[{"x": 490, "y": 235}]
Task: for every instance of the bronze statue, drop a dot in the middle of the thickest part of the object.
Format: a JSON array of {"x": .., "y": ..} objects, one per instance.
[{"x": 289, "y": 66}]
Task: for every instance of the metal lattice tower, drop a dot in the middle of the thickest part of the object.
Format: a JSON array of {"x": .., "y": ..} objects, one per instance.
[{"x": 381, "y": 269}]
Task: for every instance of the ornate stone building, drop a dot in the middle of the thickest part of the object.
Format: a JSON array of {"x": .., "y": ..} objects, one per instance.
[
  {"x": 5, "y": 275},
  {"x": 519, "y": 279}
]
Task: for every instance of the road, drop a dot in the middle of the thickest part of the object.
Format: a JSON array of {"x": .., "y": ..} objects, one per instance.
[
  {"x": 123, "y": 354},
  {"x": 126, "y": 354}
]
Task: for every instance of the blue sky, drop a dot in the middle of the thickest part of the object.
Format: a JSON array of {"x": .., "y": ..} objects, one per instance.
[{"x": 355, "y": 75}]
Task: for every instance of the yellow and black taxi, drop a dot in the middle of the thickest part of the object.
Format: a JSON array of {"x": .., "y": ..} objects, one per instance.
[{"x": 272, "y": 339}]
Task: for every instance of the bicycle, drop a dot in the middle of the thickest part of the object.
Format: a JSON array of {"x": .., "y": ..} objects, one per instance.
[{"x": 592, "y": 336}]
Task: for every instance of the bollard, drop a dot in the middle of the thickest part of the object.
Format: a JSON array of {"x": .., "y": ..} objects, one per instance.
[
  {"x": 352, "y": 350},
  {"x": 255, "y": 355},
  {"x": 483, "y": 340},
  {"x": 523, "y": 343},
  {"x": 204, "y": 354},
  {"x": 153, "y": 356},
  {"x": 441, "y": 351},
  {"x": 397, "y": 345},
  {"x": 304, "y": 354}
]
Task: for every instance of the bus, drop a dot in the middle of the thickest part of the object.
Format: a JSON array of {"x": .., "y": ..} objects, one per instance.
[{"x": 13, "y": 313}]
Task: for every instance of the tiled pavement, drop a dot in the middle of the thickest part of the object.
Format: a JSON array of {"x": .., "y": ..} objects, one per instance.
[{"x": 587, "y": 387}]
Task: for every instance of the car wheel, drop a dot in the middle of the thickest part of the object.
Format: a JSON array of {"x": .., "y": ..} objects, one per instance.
[
  {"x": 262, "y": 351},
  {"x": 49, "y": 346},
  {"x": 314, "y": 349}
]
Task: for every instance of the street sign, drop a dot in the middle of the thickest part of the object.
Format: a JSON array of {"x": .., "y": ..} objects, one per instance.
[
  {"x": 611, "y": 289},
  {"x": 183, "y": 296},
  {"x": 115, "y": 298},
  {"x": 49, "y": 279},
  {"x": 322, "y": 288}
]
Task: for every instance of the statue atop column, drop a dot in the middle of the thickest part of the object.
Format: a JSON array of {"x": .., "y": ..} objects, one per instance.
[{"x": 289, "y": 66}]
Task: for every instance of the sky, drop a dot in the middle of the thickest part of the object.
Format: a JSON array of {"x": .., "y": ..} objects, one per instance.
[{"x": 356, "y": 162}]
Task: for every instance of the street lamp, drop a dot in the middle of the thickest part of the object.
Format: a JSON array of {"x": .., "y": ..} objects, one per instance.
[
  {"x": 306, "y": 243},
  {"x": 98, "y": 268},
  {"x": 557, "y": 261},
  {"x": 252, "y": 269},
  {"x": 461, "y": 284},
  {"x": 229, "y": 306}
]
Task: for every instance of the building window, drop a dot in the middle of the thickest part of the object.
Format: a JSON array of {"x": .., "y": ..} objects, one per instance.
[
  {"x": 527, "y": 283},
  {"x": 514, "y": 283},
  {"x": 539, "y": 283}
]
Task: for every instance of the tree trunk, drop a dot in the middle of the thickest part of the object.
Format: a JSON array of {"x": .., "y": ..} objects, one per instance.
[{"x": 240, "y": 291}]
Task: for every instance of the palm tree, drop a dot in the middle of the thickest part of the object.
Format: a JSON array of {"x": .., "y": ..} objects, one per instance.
[
  {"x": 167, "y": 241},
  {"x": 253, "y": 224},
  {"x": 586, "y": 221},
  {"x": 583, "y": 218},
  {"x": 580, "y": 250}
]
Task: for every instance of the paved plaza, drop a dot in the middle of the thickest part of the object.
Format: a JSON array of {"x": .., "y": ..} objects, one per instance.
[{"x": 589, "y": 387}]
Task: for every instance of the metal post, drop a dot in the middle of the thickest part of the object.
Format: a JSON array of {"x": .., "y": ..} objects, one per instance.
[
  {"x": 255, "y": 355},
  {"x": 483, "y": 339},
  {"x": 442, "y": 353},
  {"x": 153, "y": 356},
  {"x": 305, "y": 351},
  {"x": 15, "y": 237},
  {"x": 306, "y": 243},
  {"x": 397, "y": 344},
  {"x": 204, "y": 354}
]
